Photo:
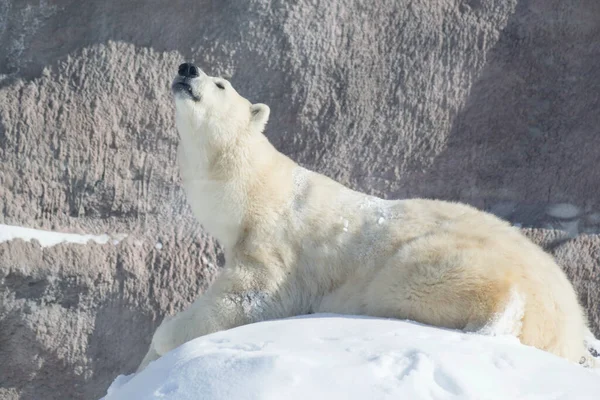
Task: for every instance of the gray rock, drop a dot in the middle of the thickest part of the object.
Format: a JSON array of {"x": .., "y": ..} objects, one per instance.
[
  {"x": 75, "y": 316},
  {"x": 489, "y": 103}
]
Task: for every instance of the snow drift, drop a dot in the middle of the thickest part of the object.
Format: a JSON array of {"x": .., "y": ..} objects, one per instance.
[{"x": 326, "y": 356}]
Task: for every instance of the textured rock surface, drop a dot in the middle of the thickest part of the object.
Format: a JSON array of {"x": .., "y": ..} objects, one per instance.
[
  {"x": 490, "y": 102},
  {"x": 73, "y": 316}
]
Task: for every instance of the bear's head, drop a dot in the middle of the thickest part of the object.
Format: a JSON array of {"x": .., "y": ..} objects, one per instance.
[{"x": 209, "y": 111}]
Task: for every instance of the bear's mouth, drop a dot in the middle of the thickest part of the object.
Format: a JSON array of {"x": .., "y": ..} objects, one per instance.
[{"x": 180, "y": 86}]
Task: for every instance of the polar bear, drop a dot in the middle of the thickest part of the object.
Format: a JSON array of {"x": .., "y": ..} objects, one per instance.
[{"x": 297, "y": 242}]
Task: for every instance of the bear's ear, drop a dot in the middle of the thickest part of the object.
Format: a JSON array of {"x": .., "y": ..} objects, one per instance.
[{"x": 259, "y": 115}]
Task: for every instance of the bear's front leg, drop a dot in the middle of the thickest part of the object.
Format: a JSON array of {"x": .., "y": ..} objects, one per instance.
[{"x": 239, "y": 296}]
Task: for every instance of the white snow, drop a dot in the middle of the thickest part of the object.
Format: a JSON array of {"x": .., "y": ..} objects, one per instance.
[
  {"x": 50, "y": 238},
  {"x": 346, "y": 223},
  {"x": 563, "y": 210},
  {"x": 351, "y": 358}
]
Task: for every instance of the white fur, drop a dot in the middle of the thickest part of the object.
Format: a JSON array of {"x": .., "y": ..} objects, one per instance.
[
  {"x": 510, "y": 320},
  {"x": 298, "y": 242}
]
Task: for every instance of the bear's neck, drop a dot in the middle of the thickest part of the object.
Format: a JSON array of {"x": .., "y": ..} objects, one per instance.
[{"x": 221, "y": 185}]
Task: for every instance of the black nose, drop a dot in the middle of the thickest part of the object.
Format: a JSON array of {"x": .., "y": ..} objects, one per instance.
[{"x": 188, "y": 70}]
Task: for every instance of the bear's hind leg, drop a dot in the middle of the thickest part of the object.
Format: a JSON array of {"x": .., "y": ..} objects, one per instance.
[{"x": 442, "y": 280}]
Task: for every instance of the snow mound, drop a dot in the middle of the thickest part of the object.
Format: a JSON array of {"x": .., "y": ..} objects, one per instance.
[{"x": 325, "y": 356}]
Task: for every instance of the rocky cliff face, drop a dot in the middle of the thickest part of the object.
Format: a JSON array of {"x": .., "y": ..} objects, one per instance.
[{"x": 493, "y": 103}]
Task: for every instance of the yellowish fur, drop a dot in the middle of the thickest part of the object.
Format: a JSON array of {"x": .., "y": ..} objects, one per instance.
[{"x": 297, "y": 242}]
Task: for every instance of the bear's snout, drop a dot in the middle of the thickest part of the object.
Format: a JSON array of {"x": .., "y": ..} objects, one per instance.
[{"x": 188, "y": 70}]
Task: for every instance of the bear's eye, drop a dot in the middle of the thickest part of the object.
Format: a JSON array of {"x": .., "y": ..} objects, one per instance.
[{"x": 220, "y": 85}]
